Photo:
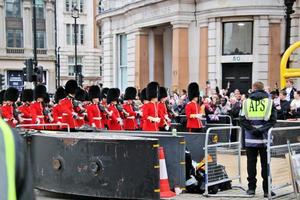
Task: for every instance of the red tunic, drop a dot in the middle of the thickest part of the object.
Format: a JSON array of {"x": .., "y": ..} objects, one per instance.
[
  {"x": 37, "y": 114},
  {"x": 129, "y": 121},
  {"x": 162, "y": 113},
  {"x": 94, "y": 116},
  {"x": 193, "y": 108},
  {"x": 57, "y": 112},
  {"x": 8, "y": 114},
  {"x": 150, "y": 110},
  {"x": 26, "y": 114},
  {"x": 68, "y": 112},
  {"x": 113, "y": 123},
  {"x": 80, "y": 120}
]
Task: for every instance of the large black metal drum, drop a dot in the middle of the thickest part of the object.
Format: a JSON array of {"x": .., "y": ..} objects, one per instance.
[{"x": 96, "y": 165}]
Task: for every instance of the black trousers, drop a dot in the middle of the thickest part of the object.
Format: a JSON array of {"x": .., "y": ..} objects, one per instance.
[{"x": 252, "y": 154}]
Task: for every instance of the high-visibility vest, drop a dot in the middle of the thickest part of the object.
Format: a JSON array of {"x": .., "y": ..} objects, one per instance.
[
  {"x": 8, "y": 163},
  {"x": 257, "y": 109}
]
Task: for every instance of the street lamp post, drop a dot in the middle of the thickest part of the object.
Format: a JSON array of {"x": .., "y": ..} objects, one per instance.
[{"x": 75, "y": 15}]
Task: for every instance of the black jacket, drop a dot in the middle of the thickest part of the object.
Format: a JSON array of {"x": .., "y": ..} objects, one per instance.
[{"x": 283, "y": 112}]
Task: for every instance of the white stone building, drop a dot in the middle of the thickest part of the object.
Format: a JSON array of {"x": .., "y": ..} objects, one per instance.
[
  {"x": 16, "y": 39},
  {"x": 178, "y": 41},
  {"x": 87, "y": 40}
]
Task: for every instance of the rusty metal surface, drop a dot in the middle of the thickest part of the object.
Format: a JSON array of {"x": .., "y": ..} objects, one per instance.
[{"x": 96, "y": 165}]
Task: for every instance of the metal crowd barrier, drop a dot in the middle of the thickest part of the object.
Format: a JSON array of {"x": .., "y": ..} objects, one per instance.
[
  {"x": 277, "y": 152},
  {"x": 222, "y": 162},
  {"x": 42, "y": 125}
]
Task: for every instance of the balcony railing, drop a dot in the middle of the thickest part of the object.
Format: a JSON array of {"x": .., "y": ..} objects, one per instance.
[
  {"x": 15, "y": 50},
  {"x": 41, "y": 51}
]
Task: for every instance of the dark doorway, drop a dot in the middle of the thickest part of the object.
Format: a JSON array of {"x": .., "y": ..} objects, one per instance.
[{"x": 239, "y": 75}]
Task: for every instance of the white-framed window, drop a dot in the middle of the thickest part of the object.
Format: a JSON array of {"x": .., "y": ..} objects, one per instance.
[
  {"x": 70, "y": 34},
  {"x": 122, "y": 61},
  {"x": 80, "y": 4},
  {"x": 14, "y": 38},
  {"x": 71, "y": 64},
  {"x": 40, "y": 9}
]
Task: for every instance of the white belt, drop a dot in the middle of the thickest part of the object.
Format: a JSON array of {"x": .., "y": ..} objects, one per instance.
[
  {"x": 257, "y": 126},
  {"x": 81, "y": 118},
  {"x": 27, "y": 119},
  {"x": 97, "y": 118},
  {"x": 40, "y": 116},
  {"x": 59, "y": 117},
  {"x": 65, "y": 114}
]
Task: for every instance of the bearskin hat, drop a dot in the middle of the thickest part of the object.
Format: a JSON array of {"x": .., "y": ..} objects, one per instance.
[
  {"x": 59, "y": 94},
  {"x": 11, "y": 94},
  {"x": 130, "y": 93},
  {"x": 27, "y": 95},
  {"x": 2, "y": 96},
  {"x": 71, "y": 86},
  {"x": 112, "y": 95},
  {"x": 152, "y": 90},
  {"x": 94, "y": 92},
  {"x": 80, "y": 94},
  {"x": 47, "y": 98},
  {"x": 143, "y": 95},
  {"x": 40, "y": 91},
  {"x": 104, "y": 93},
  {"x": 193, "y": 90},
  {"x": 162, "y": 93}
]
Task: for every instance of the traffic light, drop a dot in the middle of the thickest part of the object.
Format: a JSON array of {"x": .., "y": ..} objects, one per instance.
[
  {"x": 28, "y": 76},
  {"x": 80, "y": 79},
  {"x": 38, "y": 74},
  {"x": 2, "y": 81}
]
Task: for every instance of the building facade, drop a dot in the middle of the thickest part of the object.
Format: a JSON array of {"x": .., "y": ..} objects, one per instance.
[
  {"x": 16, "y": 40},
  {"x": 174, "y": 42},
  {"x": 88, "y": 43}
]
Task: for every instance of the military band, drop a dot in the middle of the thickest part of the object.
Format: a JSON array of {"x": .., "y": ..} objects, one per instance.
[{"x": 148, "y": 110}]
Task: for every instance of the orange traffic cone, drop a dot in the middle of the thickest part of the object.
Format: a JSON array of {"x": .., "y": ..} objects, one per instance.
[{"x": 165, "y": 191}]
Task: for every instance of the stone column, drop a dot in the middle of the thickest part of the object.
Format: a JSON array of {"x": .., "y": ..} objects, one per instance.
[
  {"x": 180, "y": 65},
  {"x": 274, "y": 52},
  {"x": 203, "y": 64},
  {"x": 141, "y": 60},
  {"x": 2, "y": 28},
  {"x": 159, "y": 57},
  {"x": 27, "y": 27},
  {"x": 50, "y": 34}
]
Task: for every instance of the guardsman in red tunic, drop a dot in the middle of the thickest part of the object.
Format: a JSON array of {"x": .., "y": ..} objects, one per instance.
[
  {"x": 25, "y": 108},
  {"x": 1, "y": 101},
  {"x": 57, "y": 110},
  {"x": 130, "y": 116},
  {"x": 103, "y": 107},
  {"x": 193, "y": 109},
  {"x": 115, "y": 122},
  {"x": 165, "y": 121},
  {"x": 150, "y": 110},
  {"x": 67, "y": 104},
  {"x": 80, "y": 97},
  {"x": 144, "y": 100},
  {"x": 11, "y": 96},
  {"x": 93, "y": 111},
  {"x": 36, "y": 106}
]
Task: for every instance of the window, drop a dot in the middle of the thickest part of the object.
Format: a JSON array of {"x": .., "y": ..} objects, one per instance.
[
  {"x": 40, "y": 9},
  {"x": 70, "y": 34},
  {"x": 70, "y": 4},
  {"x": 71, "y": 64},
  {"x": 14, "y": 38},
  {"x": 13, "y": 8},
  {"x": 41, "y": 39},
  {"x": 237, "y": 38},
  {"x": 122, "y": 72}
]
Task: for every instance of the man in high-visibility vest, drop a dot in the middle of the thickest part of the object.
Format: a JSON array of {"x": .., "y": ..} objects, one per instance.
[
  {"x": 258, "y": 115},
  {"x": 15, "y": 173}
]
